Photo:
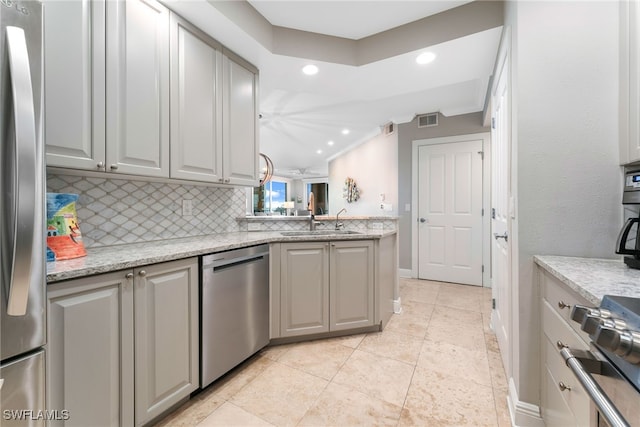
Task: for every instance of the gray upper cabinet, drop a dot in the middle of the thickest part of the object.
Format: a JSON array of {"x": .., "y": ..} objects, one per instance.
[
  {"x": 240, "y": 121},
  {"x": 74, "y": 61},
  {"x": 137, "y": 113},
  {"x": 196, "y": 104},
  {"x": 90, "y": 350},
  {"x": 629, "y": 82}
]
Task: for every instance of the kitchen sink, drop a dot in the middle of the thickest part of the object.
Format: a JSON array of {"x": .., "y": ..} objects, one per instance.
[{"x": 318, "y": 232}]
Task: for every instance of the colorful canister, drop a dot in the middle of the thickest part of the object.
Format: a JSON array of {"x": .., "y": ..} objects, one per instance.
[{"x": 64, "y": 239}]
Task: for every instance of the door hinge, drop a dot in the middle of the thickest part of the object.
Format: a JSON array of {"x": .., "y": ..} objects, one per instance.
[
  {"x": 493, "y": 213},
  {"x": 483, "y": 268},
  {"x": 493, "y": 303},
  {"x": 493, "y": 122},
  {"x": 481, "y": 154},
  {"x": 482, "y": 212}
]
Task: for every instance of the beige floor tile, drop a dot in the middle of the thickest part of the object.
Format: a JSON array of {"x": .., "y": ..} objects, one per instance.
[
  {"x": 235, "y": 380},
  {"x": 376, "y": 376},
  {"x": 456, "y": 316},
  {"x": 321, "y": 358},
  {"x": 466, "y": 299},
  {"x": 407, "y": 323},
  {"x": 421, "y": 292},
  {"x": 470, "y": 336},
  {"x": 230, "y": 415},
  {"x": 498, "y": 376},
  {"x": 417, "y": 308},
  {"x": 438, "y": 399},
  {"x": 460, "y": 362},
  {"x": 280, "y": 395},
  {"x": 502, "y": 409},
  {"x": 491, "y": 341},
  {"x": 339, "y": 405},
  {"x": 352, "y": 341},
  {"x": 193, "y": 412},
  {"x": 394, "y": 345},
  {"x": 274, "y": 352}
]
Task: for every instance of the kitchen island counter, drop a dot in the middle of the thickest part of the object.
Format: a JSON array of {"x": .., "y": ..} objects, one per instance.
[
  {"x": 593, "y": 278},
  {"x": 121, "y": 257}
]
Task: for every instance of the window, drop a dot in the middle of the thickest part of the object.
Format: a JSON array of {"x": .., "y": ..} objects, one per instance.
[
  {"x": 320, "y": 192},
  {"x": 270, "y": 198}
]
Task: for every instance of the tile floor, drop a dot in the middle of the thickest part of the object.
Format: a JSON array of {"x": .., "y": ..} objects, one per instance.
[{"x": 435, "y": 364}]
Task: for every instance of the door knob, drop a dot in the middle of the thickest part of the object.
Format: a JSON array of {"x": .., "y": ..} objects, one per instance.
[
  {"x": 504, "y": 236},
  {"x": 423, "y": 220}
]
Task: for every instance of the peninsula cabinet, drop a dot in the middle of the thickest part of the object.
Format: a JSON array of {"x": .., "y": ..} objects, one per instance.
[
  {"x": 123, "y": 346},
  {"x": 322, "y": 287},
  {"x": 629, "y": 82}
]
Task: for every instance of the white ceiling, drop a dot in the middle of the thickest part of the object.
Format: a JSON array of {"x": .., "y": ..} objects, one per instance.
[{"x": 302, "y": 113}]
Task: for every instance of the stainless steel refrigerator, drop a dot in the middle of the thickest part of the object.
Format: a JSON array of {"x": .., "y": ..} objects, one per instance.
[{"x": 22, "y": 213}]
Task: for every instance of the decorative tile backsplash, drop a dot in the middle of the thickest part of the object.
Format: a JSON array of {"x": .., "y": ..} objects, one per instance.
[
  {"x": 284, "y": 223},
  {"x": 117, "y": 211}
]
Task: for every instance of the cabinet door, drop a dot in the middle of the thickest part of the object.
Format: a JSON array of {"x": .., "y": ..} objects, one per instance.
[
  {"x": 138, "y": 88},
  {"x": 196, "y": 104},
  {"x": 240, "y": 126},
  {"x": 166, "y": 328},
  {"x": 633, "y": 23},
  {"x": 352, "y": 285},
  {"x": 304, "y": 288},
  {"x": 90, "y": 350},
  {"x": 74, "y": 60}
]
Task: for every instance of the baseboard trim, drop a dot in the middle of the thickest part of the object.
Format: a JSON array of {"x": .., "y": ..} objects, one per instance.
[
  {"x": 405, "y": 273},
  {"x": 522, "y": 414},
  {"x": 397, "y": 306}
]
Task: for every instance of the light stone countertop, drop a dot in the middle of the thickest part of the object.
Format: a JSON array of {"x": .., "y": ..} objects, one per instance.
[
  {"x": 317, "y": 218},
  {"x": 591, "y": 277},
  {"x": 121, "y": 257}
]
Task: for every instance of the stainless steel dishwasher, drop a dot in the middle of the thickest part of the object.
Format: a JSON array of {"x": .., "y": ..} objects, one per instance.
[{"x": 235, "y": 309}]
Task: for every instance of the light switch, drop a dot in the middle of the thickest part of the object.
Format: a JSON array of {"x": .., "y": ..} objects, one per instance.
[{"x": 407, "y": 207}]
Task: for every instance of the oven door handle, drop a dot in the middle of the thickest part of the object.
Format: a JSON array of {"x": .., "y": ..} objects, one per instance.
[{"x": 605, "y": 406}]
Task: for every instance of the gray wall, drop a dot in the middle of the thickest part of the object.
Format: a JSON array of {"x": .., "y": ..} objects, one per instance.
[
  {"x": 407, "y": 132},
  {"x": 565, "y": 151}
]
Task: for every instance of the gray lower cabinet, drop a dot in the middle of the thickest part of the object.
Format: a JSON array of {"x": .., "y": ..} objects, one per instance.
[
  {"x": 105, "y": 331},
  {"x": 323, "y": 287}
]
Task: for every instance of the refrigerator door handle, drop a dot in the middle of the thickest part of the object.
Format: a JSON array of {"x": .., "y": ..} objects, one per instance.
[{"x": 26, "y": 193}]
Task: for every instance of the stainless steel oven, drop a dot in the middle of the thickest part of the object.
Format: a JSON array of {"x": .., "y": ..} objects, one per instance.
[{"x": 610, "y": 371}]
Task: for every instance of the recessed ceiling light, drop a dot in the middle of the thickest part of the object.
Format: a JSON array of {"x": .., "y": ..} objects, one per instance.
[
  {"x": 330, "y": 143},
  {"x": 345, "y": 131},
  {"x": 310, "y": 70},
  {"x": 319, "y": 151},
  {"x": 425, "y": 58}
]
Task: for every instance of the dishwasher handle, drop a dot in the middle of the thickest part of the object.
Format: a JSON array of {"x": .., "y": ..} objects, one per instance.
[{"x": 227, "y": 262}]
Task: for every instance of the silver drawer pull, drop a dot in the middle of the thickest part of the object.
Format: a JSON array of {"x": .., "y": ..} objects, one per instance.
[
  {"x": 562, "y": 304},
  {"x": 563, "y": 386},
  {"x": 600, "y": 399},
  {"x": 561, "y": 345}
]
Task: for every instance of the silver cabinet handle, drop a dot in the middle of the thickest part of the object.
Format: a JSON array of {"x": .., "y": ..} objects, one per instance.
[
  {"x": 100, "y": 165},
  {"x": 504, "y": 236},
  {"x": 129, "y": 276},
  {"x": 114, "y": 167},
  {"x": 423, "y": 220},
  {"x": 562, "y": 304},
  {"x": 26, "y": 191},
  {"x": 227, "y": 180},
  {"x": 142, "y": 273}
]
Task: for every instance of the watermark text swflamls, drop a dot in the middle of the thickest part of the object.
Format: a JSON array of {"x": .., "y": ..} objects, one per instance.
[{"x": 35, "y": 415}]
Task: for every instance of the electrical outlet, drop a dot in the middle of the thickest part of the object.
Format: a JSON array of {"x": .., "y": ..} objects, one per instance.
[
  {"x": 187, "y": 207},
  {"x": 387, "y": 207}
]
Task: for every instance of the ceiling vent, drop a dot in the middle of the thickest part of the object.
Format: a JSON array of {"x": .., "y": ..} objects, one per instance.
[
  {"x": 389, "y": 128},
  {"x": 428, "y": 120}
]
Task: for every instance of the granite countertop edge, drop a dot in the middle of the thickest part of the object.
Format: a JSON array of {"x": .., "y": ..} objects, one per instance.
[
  {"x": 317, "y": 218},
  {"x": 592, "y": 278},
  {"x": 121, "y": 257}
]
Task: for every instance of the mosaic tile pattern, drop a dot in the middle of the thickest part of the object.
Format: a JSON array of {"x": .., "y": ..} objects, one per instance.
[{"x": 117, "y": 211}]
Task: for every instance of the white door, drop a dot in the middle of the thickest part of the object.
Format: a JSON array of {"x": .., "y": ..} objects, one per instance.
[
  {"x": 500, "y": 190},
  {"x": 450, "y": 212}
]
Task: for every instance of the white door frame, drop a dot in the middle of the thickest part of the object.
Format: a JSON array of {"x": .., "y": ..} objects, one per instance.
[{"x": 486, "y": 199}]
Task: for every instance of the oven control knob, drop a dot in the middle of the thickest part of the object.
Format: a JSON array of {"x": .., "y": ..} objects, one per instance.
[
  {"x": 579, "y": 312},
  {"x": 625, "y": 344},
  {"x": 608, "y": 338},
  {"x": 590, "y": 323}
]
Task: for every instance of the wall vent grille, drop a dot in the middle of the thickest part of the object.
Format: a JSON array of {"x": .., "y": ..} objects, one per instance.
[{"x": 428, "y": 120}]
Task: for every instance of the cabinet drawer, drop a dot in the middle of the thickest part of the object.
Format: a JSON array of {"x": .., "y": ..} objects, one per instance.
[
  {"x": 558, "y": 295},
  {"x": 555, "y": 329},
  {"x": 555, "y": 410}
]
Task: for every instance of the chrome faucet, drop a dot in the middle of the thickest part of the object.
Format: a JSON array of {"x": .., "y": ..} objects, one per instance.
[
  {"x": 312, "y": 223},
  {"x": 339, "y": 225}
]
